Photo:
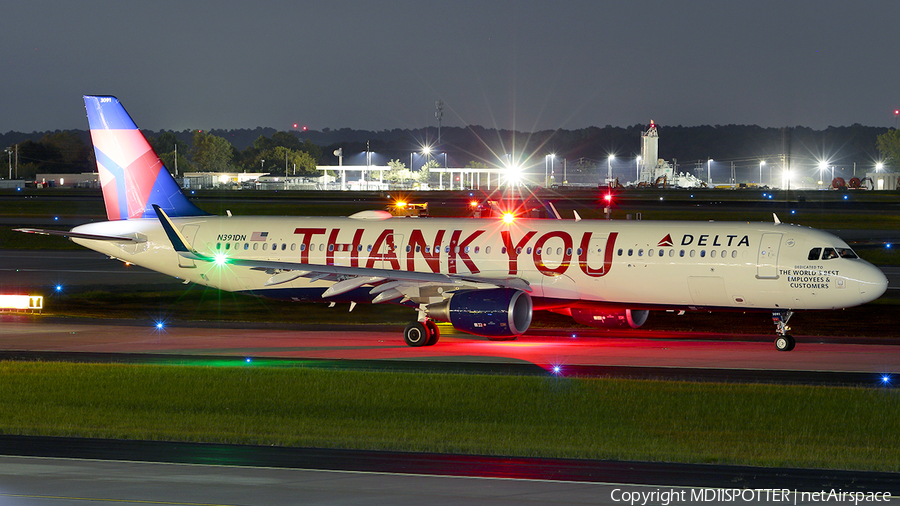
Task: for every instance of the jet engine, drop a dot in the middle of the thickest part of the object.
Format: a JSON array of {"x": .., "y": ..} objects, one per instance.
[
  {"x": 610, "y": 317},
  {"x": 496, "y": 312}
]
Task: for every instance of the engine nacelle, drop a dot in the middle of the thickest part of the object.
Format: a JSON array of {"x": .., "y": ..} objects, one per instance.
[
  {"x": 496, "y": 312},
  {"x": 610, "y": 317}
]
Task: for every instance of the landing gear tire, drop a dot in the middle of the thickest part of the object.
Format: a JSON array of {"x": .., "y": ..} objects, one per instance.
[
  {"x": 416, "y": 334},
  {"x": 785, "y": 343},
  {"x": 433, "y": 333}
]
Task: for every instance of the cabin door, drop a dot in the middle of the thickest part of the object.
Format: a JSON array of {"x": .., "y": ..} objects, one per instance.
[{"x": 767, "y": 261}]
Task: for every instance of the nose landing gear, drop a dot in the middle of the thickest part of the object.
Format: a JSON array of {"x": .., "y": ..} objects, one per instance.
[{"x": 783, "y": 341}]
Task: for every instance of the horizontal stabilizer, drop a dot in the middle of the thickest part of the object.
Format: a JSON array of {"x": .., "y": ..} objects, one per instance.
[{"x": 79, "y": 235}]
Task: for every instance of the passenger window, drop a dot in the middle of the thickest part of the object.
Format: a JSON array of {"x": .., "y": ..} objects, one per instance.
[
  {"x": 640, "y": 252},
  {"x": 671, "y": 253},
  {"x": 702, "y": 253},
  {"x": 734, "y": 253},
  {"x": 255, "y": 246},
  {"x": 693, "y": 253},
  {"x": 712, "y": 253},
  {"x": 814, "y": 254},
  {"x": 650, "y": 252},
  {"x": 630, "y": 252},
  {"x": 681, "y": 253},
  {"x": 829, "y": 253},
  {"x": 487, "y": 250},
  {"x": 619, "y": 252}
]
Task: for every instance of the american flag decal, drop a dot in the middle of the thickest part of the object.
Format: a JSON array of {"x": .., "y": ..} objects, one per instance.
[{"x": 259, "y": 236}]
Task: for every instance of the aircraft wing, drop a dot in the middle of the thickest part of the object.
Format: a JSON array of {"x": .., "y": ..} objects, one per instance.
[
  {"x": 79, "y": 235},
  {"x": 388, "y": 284}
]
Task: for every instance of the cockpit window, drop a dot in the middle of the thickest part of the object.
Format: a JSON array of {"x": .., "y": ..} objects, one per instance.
[
  {"x": 846, "y": 253},
  {"x": 814, "y": 253},
  {"x": 829, "y": 253}
]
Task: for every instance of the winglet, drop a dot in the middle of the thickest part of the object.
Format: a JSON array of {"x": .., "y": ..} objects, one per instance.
[
  {"x": 777, "y": 221},
  {"x": 577, "y": 216},
  {"x": 178, "y": 241},
  {"x": 555, "y": 212}
]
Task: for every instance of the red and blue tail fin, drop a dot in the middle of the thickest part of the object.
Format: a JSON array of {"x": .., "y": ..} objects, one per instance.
[{"x": 132, "y": 176}]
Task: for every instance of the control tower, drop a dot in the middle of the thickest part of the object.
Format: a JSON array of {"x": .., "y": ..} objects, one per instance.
[
  {"x": 649, "y": 154},
  {"x": 655, "y": 170}
]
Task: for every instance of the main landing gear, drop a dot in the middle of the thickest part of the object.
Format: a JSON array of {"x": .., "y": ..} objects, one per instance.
[
  {"x": 784, "y": 341},
  {"x": 424, "y": 333}
]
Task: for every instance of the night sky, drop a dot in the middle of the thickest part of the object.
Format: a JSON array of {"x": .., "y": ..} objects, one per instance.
[{"x": 528, "y": 65}]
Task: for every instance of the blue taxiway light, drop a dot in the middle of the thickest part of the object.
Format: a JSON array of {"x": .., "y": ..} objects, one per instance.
[
  {"x": 58, "y": 288},
  {"x": 886, "y": 379},
  {"x": 248, "y": 360},
  {"x": 557, "y": 369}
]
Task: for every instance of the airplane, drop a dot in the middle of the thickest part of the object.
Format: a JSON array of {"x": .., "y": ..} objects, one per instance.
[{"x": 483, "y": 276}]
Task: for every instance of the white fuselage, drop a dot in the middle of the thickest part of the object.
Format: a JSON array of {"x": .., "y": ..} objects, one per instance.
[{"x": 661, "y": 264}]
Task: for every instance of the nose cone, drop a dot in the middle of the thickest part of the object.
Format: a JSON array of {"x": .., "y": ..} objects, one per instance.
[{"x": 872, "y": 283}]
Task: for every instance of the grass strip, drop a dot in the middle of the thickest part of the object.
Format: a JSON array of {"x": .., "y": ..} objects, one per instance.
[{"x": 764, "y": 425}]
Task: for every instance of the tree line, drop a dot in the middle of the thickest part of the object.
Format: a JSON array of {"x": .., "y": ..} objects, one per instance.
[{"x": 296, "y": 152}]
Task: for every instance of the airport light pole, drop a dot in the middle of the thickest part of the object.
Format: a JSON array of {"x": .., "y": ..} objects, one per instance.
[
  {"x": 708, "y": 172},
  {"x": 9, "y": 152},
  {"x": 637, "y": 168},
  {"x": 548, "y": 161},
  {"x": 761, "y": 163},
  {"x": 609, "y": 160}
]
